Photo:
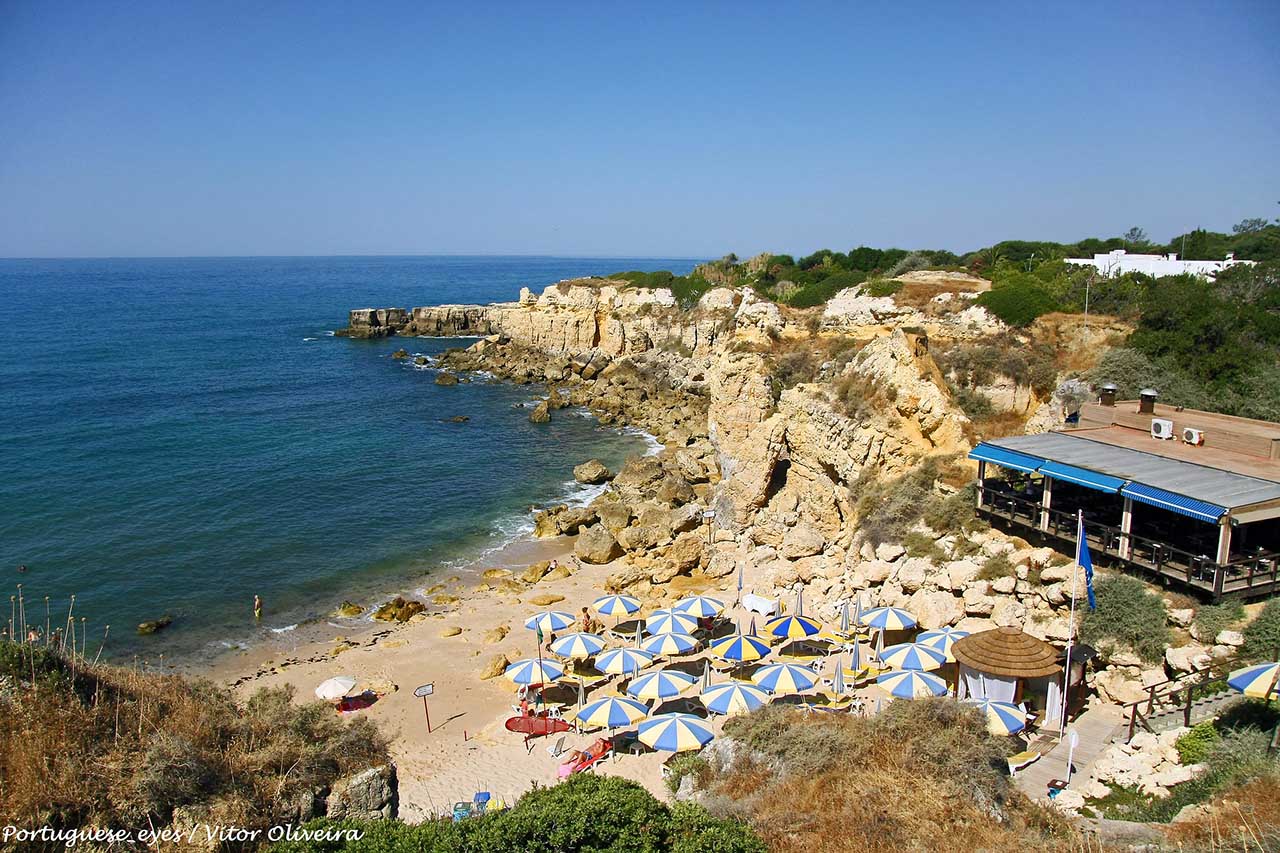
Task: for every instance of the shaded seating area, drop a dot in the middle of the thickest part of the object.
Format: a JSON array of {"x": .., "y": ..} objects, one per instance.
[
  {"x": 1194, "y": 524},
  {"x": 1008, "y": 665}
]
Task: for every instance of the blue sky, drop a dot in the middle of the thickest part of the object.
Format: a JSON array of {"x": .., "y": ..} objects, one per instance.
[{"x": 688, "y": 129}]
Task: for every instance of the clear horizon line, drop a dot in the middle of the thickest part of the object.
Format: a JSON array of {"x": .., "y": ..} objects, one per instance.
[{"x": 588, "y": 256}]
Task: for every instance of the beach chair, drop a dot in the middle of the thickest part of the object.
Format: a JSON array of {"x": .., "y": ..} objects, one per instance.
[
  {"x": 556, "y": 749},
  {"x": 1019, "y": 760},
  {"x": 461, "y": 811},
  {"x": 480, "y": 803}
]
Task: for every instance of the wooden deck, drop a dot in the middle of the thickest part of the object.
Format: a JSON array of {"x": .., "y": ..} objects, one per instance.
[
  {"x": 1253, "y": 577},
  {"x": 1096, "y": 728}
]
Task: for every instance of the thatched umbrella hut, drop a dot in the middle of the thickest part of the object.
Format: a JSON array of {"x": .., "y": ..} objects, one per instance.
[{"x": 1008, "y": 665}]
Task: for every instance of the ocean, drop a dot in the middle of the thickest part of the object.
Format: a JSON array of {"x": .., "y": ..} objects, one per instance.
[{"x": 179, "y": 435}]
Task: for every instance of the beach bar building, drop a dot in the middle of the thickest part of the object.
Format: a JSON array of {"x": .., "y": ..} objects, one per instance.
[{"x": 1189, "y": 497}]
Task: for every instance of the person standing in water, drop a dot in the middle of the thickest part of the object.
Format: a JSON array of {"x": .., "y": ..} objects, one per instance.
[{"x": 257, "y": 607}]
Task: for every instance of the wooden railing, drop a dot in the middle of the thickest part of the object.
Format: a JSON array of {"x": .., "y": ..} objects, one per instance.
[{"x": 1175, "y": 693}]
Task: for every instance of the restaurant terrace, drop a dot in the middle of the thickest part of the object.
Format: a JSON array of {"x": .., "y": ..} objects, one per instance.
[{"x": 1191, "y": 497}]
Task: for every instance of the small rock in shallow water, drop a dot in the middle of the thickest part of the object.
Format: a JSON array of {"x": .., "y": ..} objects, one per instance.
[
  {"x": 155, "y": 625},
  {"x": 400, "y": 353},
  {"x": 446, "y": 379}
]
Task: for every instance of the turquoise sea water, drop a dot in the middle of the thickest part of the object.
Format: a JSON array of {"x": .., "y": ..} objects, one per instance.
[{"x": 179, "y": 435}]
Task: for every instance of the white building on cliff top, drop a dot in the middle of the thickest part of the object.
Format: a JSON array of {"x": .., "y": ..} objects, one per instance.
[{"x": 1119, "y": 262}]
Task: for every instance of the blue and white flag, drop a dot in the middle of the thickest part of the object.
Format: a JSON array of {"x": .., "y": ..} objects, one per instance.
[{"x": 1085, "y": 562}]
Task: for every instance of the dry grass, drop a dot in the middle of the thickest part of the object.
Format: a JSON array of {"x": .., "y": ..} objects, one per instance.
[
  {"x": 920, "y": 775},
  {"x": 88, "y": 745},
  {"x": 1244, "y": 818}
]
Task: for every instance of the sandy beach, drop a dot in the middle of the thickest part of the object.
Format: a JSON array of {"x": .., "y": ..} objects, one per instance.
[{"x": 468, "y": 749}]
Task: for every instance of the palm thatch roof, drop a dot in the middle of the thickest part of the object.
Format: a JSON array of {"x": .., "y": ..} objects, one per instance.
[{"x": 1007, "y": 652}]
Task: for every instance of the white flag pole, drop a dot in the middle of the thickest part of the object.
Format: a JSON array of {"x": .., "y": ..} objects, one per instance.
[{"x": 1071, "y": 622}]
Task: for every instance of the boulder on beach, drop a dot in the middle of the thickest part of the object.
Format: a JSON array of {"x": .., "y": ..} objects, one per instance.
[
  {"x": 596, "y": 545},
  {"x": 591, "y": 473},
  {"x": 451, "y": 631},
  {"x": 496, "y": 634},
  {"x": 536, "y": 571},
  {"x": 545, "y": 599},
  {"x": 399, "y": 609},
  {"x": 494, "y": 667},
  {"x": 446, "y": 379},
  {"x": 496, "y": 574},
  {"x": 348, "y": 610}
]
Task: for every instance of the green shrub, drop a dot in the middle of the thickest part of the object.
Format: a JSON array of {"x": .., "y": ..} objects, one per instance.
[
  {"x": 1196, "y": 745},
  {"x": 586, "y": 812},
  {"x": 1262, "y": 635},
  {"x": 882, "y": 287},
  {"x": 1214, "y": 618},
  {"x": 1019, "y": 302},
  {"x": 683, "y": 765},
  {"x": 996, "y": 567},
  {"x": 888, "y": 508},
  {"x": 1128, "y": 615},
  {"x": 922, "y": 545},
  {"x": 953, "y": 513}
]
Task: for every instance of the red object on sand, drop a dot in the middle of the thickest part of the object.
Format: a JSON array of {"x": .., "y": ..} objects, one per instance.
[{"x": 532, "y": 727}]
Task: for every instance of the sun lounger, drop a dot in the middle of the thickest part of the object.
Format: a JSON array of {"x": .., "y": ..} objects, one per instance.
[
  {"x": 461, "y": 811},
  {"x": 595, "y": 753},
  {"x": 1019, "y": 760},
  {"x": 480, "y": 803}
]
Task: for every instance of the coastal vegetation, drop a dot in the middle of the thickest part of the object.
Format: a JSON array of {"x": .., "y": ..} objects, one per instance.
[
  {"x": 84, "y": 744},
  {"x": 906, "y": 778},
  {"x": 1128, "y": 616},
  {"x": 586, "y": 812}
]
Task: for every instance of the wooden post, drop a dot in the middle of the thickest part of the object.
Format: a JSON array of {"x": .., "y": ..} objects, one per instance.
[
  {"x": 1126, "y": 529},
  {"x": 1046, "y": 500},
  {"x": 426, "y": 713},
  {"x": 1224, "y": 540}
]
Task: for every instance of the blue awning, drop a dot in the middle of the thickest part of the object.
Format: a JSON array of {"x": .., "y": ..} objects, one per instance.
[
  {"x": 1199, "y": 510},
  {"x": 1006, "y": 458},
  {"x": 1082, "y": 477}
]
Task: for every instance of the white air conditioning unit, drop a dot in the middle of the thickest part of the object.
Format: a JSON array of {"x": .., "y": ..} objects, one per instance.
[
  {"x": 1162, "y": 429},
  {"x": 1191, "y": 435}
]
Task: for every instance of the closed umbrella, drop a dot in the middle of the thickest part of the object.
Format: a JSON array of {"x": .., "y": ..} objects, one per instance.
[
  {"x": 793, "y": 627},
  {"x": 549, "y": 622},
  {"x": 942, "y": 640},
  {"x": 611, "y": 712},
  {"x": 1003, "y": 718},
  {"x": 701, "y": 606},
  {"x": 534, "y": 671},
  {"x": 578, "y": 646},
  {"x": 669, "y": 644},
  {"x": 783, "y": 679},
  {"x": 675, "y": 732},
  {"x": 335, "y": 688},
  {"x": 844, "y": 618},
  {"x": 837, "y": 683},
  {"x": 671, "y": 622},
  {"x": 663, "y": 684},
  {"x": 740, "y": 648},
  {"x": 912, "y": 656},
  {"x": 909, "y": 684},
  {"x": 733, "y": 698},
  {"x": 623, "y": 661}
]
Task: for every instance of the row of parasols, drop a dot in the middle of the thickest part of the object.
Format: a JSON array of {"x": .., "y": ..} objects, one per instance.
[{"x": 671, "y": 633}]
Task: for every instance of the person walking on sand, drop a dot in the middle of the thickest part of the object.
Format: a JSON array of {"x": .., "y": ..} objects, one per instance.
[
  {"x": 257, "y": 607},
  {"x": 586, "y": 620}
]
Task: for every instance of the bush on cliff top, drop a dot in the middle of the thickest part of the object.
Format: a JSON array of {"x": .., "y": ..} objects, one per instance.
[
  {"x": 112, "y": 747},
  {"x": 1262, "y": 635},
  {"x": 586, "y": 812}
]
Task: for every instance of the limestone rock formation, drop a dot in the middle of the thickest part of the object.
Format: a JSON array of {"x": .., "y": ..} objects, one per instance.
[
  {"x": 371, "y": 794},
  {"x": 596, "y": 545}
]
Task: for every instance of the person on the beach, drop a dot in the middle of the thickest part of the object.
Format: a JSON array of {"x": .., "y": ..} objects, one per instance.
[
  {"x": 33, "y": 636},
  {"x": 586, "y": 621},
  {"x": 553, "y": 566},
  {"x": 257, "y": 607},
  {"x": 22, "y": 568},
  {"x": 551, "y": 638}
]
